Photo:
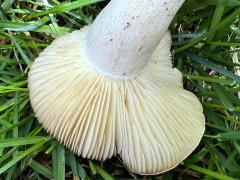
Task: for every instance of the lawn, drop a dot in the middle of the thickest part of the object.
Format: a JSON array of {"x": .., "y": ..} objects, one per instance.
[{"x": 206, "y": 49}]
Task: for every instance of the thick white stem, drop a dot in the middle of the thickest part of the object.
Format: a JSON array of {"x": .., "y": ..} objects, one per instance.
[{"x": 126, "y": 32}]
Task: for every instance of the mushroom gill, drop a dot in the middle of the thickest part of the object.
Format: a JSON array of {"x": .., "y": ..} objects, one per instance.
[{"x": 149, "y": 119}]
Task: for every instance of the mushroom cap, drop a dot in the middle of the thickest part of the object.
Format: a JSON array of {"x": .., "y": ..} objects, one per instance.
[{"x": 149, "y": 120}]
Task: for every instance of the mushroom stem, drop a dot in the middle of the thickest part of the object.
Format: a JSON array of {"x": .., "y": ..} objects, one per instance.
[{"x": 125, "y": 34}]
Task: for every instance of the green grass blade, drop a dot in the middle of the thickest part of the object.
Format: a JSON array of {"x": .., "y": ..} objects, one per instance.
[
  {"x": 223, "y": 98},
  {"x": 20, "y": 141},
  {"x": 217, "y": 16},
  {"x": 21, "y": 156},
  {"x": 40, "y": 169},
  {"x": 103, "y": 173},
  {"x": 30, "y": 27},
  {"x": 20, "y": 25},
  {"x": 64, "y": 7},
  {"x": 59, "y": 162},
  {"x": 73, "y": 164},
  {"x": 229, "y": 136},
  {"x": 209, "y": 172},
  {"x": 224, "y": 23},
  {"x": 92, "y": 167},
  {"x": 236, "y": 30},
  {"x": 212, "y": 66},
  {"x": 209, "y": 79},
  {"x": 82, "y": 173},
  {"x": 7, "y": 4},
  {"x": 22, "y": 53}
]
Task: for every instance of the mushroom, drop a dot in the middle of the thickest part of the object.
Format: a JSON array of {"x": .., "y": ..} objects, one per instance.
[{"x": 110, "y": 89}]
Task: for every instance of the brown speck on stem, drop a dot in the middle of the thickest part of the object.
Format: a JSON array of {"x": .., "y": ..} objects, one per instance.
[
  {"x": 127, "y": 26},
  {"x": 140, "y": 49}
]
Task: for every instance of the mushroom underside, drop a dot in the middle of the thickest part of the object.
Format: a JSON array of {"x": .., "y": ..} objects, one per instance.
[{"x": 149, "y": 120}]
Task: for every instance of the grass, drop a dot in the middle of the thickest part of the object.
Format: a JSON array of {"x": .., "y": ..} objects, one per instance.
[{"x": 206, "y": 41}]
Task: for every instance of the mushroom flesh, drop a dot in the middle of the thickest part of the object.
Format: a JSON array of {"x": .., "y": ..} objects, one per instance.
[{"x": 110, "y": 89}]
